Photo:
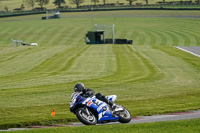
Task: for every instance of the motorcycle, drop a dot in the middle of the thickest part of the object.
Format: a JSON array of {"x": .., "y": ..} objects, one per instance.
[{"x": 91, "y": 111}]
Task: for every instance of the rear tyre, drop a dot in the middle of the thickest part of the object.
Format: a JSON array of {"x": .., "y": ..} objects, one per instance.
[
  {"x": 124, "y": 116},
  {"x": 84, "y": 118}
]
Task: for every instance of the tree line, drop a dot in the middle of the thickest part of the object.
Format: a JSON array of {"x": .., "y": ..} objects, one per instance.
[{"x": 58, "y": 3}]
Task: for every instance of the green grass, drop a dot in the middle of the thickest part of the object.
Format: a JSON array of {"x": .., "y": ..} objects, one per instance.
[
  {"x": 149, "y": 77},
  {"x": 183, "y": 126}
]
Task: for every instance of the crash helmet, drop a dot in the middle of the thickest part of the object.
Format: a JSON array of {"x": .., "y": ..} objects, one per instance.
[{"x": 79, "y": 87}]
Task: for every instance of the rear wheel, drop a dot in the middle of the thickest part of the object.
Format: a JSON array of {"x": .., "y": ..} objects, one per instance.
[
  {"x": 124, "y": 116},
  {"x": 85, "y": 118}
]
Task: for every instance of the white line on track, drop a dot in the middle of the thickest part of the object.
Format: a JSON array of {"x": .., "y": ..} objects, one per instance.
[{"x": 187, "y": 51}]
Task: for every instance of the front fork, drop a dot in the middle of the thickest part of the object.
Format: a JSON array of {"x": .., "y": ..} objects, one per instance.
[{"x": 86, "y": 111}]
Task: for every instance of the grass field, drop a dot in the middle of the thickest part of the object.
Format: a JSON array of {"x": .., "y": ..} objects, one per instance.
[{"x": 149, "y": 77}]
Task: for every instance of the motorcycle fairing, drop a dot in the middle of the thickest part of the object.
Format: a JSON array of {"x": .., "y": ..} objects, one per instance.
[
  {"x": 76, "y": 99},
  {"x": 112, "y": 98},
  {"x": 103, "y": 110}
]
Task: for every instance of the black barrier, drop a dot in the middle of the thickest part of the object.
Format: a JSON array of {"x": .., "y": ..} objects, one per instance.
[{"x": 123, "y": 41}]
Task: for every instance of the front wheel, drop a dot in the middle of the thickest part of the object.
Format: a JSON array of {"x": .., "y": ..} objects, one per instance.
[
  {"x": 124, "y": 116},
  {"x": 85, "y": 118}
]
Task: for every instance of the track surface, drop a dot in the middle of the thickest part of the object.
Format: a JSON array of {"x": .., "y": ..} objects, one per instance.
[
  {"x": 190, "y": 49},
  {"x": 139, "y": 119}
]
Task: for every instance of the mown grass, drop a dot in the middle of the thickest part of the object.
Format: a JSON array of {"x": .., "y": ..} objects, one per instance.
[{"x": 149, "y": 77}]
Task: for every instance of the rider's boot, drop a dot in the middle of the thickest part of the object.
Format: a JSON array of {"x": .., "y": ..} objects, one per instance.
[{"x": 112, "y": 105}]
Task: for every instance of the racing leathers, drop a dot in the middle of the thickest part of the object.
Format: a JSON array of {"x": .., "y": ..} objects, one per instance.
[{"x": 88, "y": 93}]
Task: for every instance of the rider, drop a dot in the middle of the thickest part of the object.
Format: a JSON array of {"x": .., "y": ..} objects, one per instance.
[{"x": 87, "y": 92}]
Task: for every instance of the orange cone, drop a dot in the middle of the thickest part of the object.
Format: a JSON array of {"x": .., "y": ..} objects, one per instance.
[{"x": 53, "y": 112}]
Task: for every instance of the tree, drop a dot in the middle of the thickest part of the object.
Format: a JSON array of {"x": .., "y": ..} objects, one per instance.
[
  {"x": 104, "y": 2},
  {"x": 6, "y": 8},
  {"x": 77, "y": 2},
  {"x": 59, "y": 2},
  {"x": 131, "y": 1},
  {"x": 42, "y": 2},
  {"x": 95, "y": 1},
  {"x": 163, "y": 1},
  {"x": 30, "y": 3},
  {"x": 147, "y": 2},
  {"x": 22, "y": 7}
]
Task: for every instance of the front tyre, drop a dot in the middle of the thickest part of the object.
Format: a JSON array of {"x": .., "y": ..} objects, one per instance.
[
  {"x": 124, "y": 116},
  {"x": 84, "y": 118}
]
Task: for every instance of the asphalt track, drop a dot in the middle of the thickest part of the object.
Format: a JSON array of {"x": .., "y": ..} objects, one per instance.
[
  {"x": 139, "y": 119},
  {"x": 194, "y": 50}
]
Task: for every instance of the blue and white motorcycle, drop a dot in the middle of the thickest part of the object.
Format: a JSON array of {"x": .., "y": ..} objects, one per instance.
[{"x": 91, "y": 111}]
